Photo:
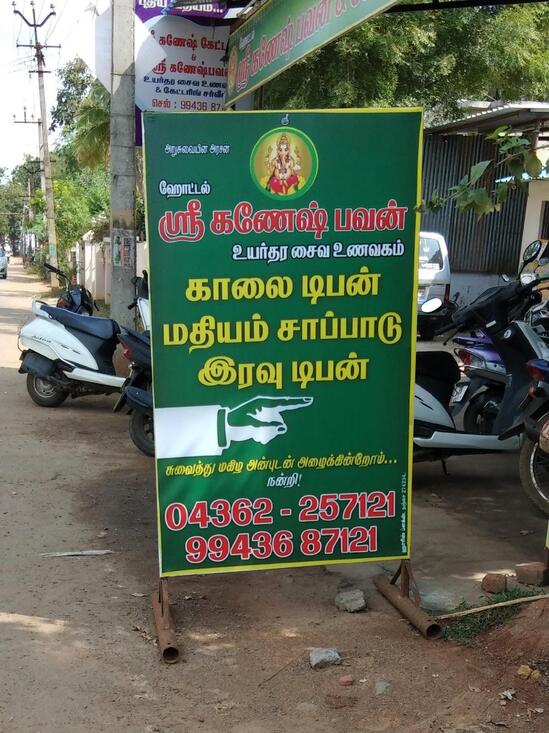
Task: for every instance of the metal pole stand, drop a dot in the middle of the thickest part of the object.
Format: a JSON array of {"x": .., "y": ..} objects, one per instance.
[
  {"x": 400, "y": 599},
  {"x": 165, "y": 628}
]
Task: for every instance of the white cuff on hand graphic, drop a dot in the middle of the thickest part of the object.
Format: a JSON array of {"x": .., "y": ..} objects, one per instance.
[{"x": 207, "y": 430}]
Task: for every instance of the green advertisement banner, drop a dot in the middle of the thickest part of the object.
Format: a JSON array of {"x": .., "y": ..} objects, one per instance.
[
  {"x": 283, "y": 31},
  {"x": 283, "y": 290}
]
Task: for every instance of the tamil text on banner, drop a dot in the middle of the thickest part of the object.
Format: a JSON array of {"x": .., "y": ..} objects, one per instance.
[
  {"x": 153, "y": 9},
  {"x": 193, "y": 75},
  {"x": 283, "y": 266},
  {"x": 283, "y": 31}
]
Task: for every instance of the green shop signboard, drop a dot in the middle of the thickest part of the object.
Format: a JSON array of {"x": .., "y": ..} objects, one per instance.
[
  {"x": 282, "y": 271},
  {"x": 283, "y": 31}
]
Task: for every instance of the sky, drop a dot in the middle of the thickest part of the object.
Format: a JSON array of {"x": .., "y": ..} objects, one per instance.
[{"x": 17, "y": 88}]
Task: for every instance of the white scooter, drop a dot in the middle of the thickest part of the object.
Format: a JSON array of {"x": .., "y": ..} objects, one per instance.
[
  {"x": 498, "y": 312},
  {"x": 64, "y": 353}
]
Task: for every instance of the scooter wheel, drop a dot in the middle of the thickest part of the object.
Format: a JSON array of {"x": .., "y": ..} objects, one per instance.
[
  {"x": 481, "y": 413},
  {"x": 141, "y": 430},
  {"x": 534, "y": 474},
  {"x": 44, "y": 393}
]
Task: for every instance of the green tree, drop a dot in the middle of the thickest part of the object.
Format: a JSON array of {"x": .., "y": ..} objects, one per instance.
[
  {"x": 433, "y": 59},
  {"x": 91, "y": 139},
  {"x": 74, "y": 83},
  {"x": 13, "y": 207},
  {"x": 72, "y": 216},
  {"x": 37, "y": 221}
]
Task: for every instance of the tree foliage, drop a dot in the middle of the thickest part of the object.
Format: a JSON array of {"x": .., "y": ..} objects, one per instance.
[
  {"x": 433, "y": 59},
  {"x": 517, "y": 160},
  {"x": 82, "y": 113},
  {"x": 91, "y": 137},
  {"x": 72, "y": 215},
  {"x": 15, "y": 206},
  {"x": 80, "y": 171},
  {"x": 12, "y": 209},
  {"x": 74, "y": 83}
]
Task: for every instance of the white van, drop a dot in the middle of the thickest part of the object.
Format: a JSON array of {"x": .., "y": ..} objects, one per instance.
[
  {"x": 434, "y": 274},
  {"x": 434, "y": 268}
]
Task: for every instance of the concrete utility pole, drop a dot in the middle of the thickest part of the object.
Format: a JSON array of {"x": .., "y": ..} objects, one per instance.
[
  {"x": 122, "y": 160},
  {"x": 45, "y": 151}
]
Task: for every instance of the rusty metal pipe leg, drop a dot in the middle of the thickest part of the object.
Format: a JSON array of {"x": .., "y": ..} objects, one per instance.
[
  {"x": 165, "y": 629},
  {"x": 429, "y": 628}
]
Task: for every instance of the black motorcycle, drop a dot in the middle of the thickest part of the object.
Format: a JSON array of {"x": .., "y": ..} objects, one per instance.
[
  {"x": 533, "y": 425},
  {"x": 74, "y": 298}
]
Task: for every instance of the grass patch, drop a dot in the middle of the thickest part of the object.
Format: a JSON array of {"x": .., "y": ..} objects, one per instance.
[
  {"x": 36, "y": 269},
  {"x": 465, "y": 630}
]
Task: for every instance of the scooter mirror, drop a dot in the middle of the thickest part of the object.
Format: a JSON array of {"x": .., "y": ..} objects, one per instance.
[
  {"x": 506, "y": 278},
  {"x": 531, "y": 252},
  {"x": 432, "y": 305}
]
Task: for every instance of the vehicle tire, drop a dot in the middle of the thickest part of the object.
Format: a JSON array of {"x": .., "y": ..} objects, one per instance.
[
  {"x": 45, "y": 393},
  {"x": 141, "y": 430},
  {"x": 534, "y": 474},
  {"x": 481, "y": 412},
  {"x": 426, "y": 333}
]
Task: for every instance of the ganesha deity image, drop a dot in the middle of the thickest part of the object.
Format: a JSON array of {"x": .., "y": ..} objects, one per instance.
[{"x": 284, "y": 163}]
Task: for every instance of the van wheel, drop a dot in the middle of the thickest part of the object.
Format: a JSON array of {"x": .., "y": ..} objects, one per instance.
[
  {"x": 44, "y": 393},
  {"x": 534, "y": 474},
  {"x": 141, "y": 430}
]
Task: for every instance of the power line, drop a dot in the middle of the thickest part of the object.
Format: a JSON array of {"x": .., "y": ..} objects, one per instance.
[
  {"x": 53, "y": 28},
  {"x": 20, "y": 24}
]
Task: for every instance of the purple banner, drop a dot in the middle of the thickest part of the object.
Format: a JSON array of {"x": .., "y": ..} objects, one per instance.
[{"x": 147, "y": 10}]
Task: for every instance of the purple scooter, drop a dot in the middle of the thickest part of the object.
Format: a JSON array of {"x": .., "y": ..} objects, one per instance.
[{"x": 482, "y": 390}]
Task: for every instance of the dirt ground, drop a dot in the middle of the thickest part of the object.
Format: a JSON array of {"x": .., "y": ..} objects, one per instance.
[{"x": 77, "y": 645}]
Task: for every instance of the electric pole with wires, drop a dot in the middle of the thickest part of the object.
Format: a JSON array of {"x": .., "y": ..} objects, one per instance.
[{"x": 44, "y": 147}]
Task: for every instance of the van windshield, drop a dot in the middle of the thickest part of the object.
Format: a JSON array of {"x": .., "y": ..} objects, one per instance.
[{"x": 430, "y": 256}]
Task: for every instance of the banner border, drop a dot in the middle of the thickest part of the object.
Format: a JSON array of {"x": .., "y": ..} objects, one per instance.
[
  {"x": 313, "y": 563},
  {"x": 226, "y": 105}
]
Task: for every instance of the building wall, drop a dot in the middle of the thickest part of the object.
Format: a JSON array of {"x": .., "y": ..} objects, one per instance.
[
  {"x": 491, "y": 245},
  {"x": 141, "y": 257},
  {"x": 470, "y": 285},
  {"x": 93, "y": 260}
]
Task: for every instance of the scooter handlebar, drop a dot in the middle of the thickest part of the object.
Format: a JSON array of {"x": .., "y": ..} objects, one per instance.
[
  {"x": 512, "y": 293},
  {"x": 54, "y": 269}
]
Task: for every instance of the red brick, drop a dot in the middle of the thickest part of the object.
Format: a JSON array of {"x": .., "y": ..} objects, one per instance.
[
  {"x": 532, "y": 573},
  {"x": 347, "y": 680},
  {"x": 494, "y": 583}
]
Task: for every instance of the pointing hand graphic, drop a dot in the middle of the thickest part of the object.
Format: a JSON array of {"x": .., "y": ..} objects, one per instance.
[{"x": 260, "y": 419}]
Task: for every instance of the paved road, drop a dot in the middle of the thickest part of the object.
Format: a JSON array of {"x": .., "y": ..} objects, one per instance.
[{"x": 77, "y": 653}]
